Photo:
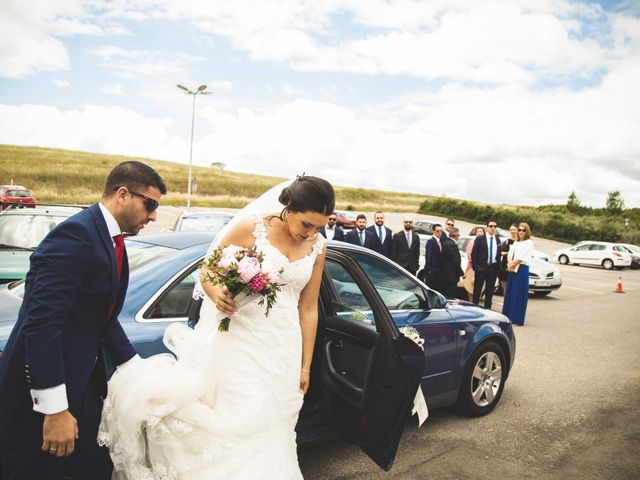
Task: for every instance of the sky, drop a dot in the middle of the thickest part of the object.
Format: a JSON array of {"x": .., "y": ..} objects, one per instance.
[{"x": 514, "y": 101}]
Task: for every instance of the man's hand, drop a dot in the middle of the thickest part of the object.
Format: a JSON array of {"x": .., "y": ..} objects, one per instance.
[{"x": 59, "y": 433}]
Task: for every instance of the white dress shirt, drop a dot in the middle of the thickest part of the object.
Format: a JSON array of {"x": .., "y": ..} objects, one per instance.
[
  {"x": 330, "y": 232},
  {"x": 54, "y": 400}
]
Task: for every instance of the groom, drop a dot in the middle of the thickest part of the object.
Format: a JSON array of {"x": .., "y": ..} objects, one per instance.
[{"x": 52, "y": 375}]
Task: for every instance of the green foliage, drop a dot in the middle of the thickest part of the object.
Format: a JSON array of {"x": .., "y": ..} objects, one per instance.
[
  {"x": 550, "y": 221},
  {"x": 573, "y": 203},
  {"x": 615, "y": 203}
]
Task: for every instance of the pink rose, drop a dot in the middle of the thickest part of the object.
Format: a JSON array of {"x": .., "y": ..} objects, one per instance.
[
  {"x": 248, "y": 268},
  {"x": 269, "y": 272}
]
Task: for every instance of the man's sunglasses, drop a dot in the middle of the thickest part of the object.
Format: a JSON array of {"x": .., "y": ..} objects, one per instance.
[
  {"x": 449, "y": 224},
  {"x": 149, "y": 203},
  {"x": 492, "y": 226}
]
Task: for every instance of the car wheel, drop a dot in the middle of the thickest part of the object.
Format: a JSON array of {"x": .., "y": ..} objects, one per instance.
[
  {"x": 483, "y": 381},
  {"x": 563, "y": 259},
  {"x": 541, "y": 294},
  {"x": 607, "y": 264}
]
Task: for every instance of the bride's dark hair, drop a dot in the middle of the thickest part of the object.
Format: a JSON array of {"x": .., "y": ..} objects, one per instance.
[{"x": 308, "y": 194}]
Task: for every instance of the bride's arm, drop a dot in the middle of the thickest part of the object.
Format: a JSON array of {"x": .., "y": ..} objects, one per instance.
[
  {"x": 308, "y": 310},
  {"x": 242, "y": 236}
]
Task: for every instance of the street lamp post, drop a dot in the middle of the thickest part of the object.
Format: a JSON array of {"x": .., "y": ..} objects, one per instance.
[{"x": 202, "y": 90}]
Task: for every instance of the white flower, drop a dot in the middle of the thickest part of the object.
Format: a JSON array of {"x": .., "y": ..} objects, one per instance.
[{"x": 413, "y": 335}]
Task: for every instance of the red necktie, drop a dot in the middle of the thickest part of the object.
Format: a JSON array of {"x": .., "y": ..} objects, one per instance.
[{"x": 119, "y": 240}]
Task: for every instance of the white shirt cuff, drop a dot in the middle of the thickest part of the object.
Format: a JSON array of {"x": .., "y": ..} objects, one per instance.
[{"x": 50, "y": 400}]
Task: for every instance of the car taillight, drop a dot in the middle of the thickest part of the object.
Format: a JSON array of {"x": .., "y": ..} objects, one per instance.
[{"x": 617, "y": 254}]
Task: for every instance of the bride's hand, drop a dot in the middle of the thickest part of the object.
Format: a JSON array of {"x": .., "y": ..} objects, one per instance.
[
  {"x": 223, "y": 300},
  {"x": 304, "y": 381}
]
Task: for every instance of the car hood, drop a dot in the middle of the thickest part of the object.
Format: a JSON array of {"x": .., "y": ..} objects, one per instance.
[
  {"x": 541, "y": 267},
  {"x": 463, "y": 310},
  {"x": 15, "y": 264}
]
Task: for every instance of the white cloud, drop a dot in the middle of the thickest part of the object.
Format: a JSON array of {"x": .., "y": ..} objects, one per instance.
[
  {"x": 130, "y": 63},
  {"x": 221, "y": 85},
  {"x": 61, "y": 83},
  {"x": 113, "y": 89}
]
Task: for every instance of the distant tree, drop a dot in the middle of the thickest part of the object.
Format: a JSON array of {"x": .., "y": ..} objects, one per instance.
[
  {"x": 573, "y": 202},
  {"x": 615, "y": 203},
  {"x": 218, "y": 165}
]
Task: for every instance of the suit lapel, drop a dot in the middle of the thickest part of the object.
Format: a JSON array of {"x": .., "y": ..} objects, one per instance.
[{"x": 107, "y": 245}]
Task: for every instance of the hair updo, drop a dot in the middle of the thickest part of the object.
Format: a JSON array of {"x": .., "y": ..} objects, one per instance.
[{"x": 308, "y": 194}]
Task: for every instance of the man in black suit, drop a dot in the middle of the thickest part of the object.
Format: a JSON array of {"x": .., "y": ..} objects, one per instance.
[
  {"x": 382, "y": 235},
  {"x": 433, "y": 258},
  {"x": 332, "y": 231},
  {"x": 53, "y": 373},
  {"x": 451, "y": 269},
  {"x": 485, "y": 257},
  {"x": 405, "y": 247},
  {"x": 360, "y": 235}
]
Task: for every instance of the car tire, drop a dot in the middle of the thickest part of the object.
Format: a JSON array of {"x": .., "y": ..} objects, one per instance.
[
  {"x": 541, "y": 294},
  {"x": 483, "y": 381},
  {"x": 607, "y": 264},
  {"x": 563, "y": 259}
]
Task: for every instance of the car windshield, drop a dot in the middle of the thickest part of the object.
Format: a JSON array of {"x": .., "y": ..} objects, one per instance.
[
  {"x": 140, "y": 253},
  {"x": 18, "y": 193},
  {"x": 633, "y": 248},
  {"x": 209, "y": 223},
  {"x": 26, "y": 231}
]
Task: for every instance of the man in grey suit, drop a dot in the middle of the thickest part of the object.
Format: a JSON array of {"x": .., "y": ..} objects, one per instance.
[{"x": 405, "y": 247}]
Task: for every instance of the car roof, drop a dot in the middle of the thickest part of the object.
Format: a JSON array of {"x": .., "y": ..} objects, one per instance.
[
  {"x": 177, "y": 240},
  {"x": 14, "y": 187},
  {"x": 206, "y": 213},
  {"x": 48, "y": 211}
]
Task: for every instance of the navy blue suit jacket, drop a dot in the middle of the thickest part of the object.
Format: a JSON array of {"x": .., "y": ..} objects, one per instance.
[
  {"x": 432, "y": 256},
  {"x": 338, "y": 235},
  {"x": 68, "y": 319},
  {"x": 383, "y": 248},
  {"x": 480, "y": 253},
  {"x": 352, "y": 237}
]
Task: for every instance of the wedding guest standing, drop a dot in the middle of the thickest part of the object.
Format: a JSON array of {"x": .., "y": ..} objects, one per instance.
[
  {"x": 469, "y": 275},
  {"x": 382, "y": 235},
  {"x": 405, "y": 247},
  {"x": 451, "y": 269},
  {"x": 485, "y": 257},
  {"x": 433, "y": 258},
  {"x": 504, "y": 250},
  {"x": 332, "y": 231},
  {"x": 449, "y": 223},
  {"x": 517, "y": 294},
  {"x": 360, "y": 235}
]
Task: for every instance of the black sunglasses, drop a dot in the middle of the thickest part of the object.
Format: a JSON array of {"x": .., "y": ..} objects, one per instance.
[
  {"x": 492, "y": 226},
  {"x": 522, "y": 229},
  {"x": 150, "y": 204},
  {"x": 449, "y": 224}
]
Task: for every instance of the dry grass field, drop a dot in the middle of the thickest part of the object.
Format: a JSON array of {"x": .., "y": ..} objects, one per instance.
[{"x": 66, "y": 176}]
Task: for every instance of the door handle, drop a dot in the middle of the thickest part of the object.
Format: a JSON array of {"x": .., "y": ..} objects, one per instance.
[{"x": 338, "y": 345}]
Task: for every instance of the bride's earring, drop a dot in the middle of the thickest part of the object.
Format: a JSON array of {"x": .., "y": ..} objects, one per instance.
[{"x": 285, "y": 217}]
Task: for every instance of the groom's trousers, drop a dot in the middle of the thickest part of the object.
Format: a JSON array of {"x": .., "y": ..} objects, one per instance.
[{"x": 22, "y": 458}]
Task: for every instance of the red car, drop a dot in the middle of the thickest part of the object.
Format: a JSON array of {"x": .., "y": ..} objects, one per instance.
[
  {"x": 16, "y": 196},
  {"x": 346, "y": 219}
]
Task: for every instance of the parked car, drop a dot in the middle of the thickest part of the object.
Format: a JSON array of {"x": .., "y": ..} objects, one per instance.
[
  {"x": 634, "y": 251},
  {"x": 365, "y": 372},
  {"x": 21, "y": 231},
  {"x": 424, "y": 227},
  {"x": 16, "y": 196},
  {"x": 201, "y": 220},
  {"x": 606, "y": 254},
  {"x": 346, "y": 219}
]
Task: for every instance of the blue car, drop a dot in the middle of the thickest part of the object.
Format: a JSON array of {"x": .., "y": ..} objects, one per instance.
[{"x": 365, "y": 372}]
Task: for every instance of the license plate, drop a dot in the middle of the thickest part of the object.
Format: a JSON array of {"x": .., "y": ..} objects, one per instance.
[{"x": 542, "y": 283}]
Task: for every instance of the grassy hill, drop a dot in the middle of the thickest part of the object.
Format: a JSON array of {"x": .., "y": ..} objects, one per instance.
[{"x": 68, "y": 176}]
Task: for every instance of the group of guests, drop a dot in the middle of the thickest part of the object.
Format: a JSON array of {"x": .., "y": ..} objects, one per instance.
[{"x": 489, "y": 258}]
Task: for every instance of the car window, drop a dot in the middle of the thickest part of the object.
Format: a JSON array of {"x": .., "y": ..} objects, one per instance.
[
  {"x": 595, "y": 246},
  {"x": 213, "y": 223},
  {"x": 18, "y": 193},
  {"x": 397, "y": 290},
  {"x": 348, "y": 300},
  {"x": 26, "y": 231},
  {"x": 619, "y": 248},
  {"x": 582, "y": 247},
  {"x": 175, "y": 301},
  {"x": 140, "y": 253}
]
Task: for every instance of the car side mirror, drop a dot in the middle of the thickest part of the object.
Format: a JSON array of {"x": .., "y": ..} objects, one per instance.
[{"x": 436, "y": 300}]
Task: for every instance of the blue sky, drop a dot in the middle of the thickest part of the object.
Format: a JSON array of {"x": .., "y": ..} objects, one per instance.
[{"x": 506, "y": 101}]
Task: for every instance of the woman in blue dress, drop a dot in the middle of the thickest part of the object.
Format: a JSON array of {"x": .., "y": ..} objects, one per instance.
[{"x": 516, "y": 295}]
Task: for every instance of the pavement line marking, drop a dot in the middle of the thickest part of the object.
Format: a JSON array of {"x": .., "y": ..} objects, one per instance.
[{"x": 584, "y": 290}]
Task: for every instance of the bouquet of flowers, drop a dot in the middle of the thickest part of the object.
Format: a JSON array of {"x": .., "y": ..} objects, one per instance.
[{"x": 246, "y": 274}]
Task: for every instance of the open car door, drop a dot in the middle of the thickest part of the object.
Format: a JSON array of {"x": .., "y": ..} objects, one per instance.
[{"x": 370, "y": 371}]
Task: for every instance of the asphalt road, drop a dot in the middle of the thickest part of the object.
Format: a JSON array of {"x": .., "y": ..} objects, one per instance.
[{"x": 569, "y": 409}]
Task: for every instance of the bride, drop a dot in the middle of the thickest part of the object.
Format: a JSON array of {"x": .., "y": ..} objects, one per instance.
[{"x": 225, "y": 407}]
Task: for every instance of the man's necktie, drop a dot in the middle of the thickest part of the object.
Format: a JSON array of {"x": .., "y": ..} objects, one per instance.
[
  {"x": 439, "y": 243},
  {"x": 380, "y": 233},
  {"x": 490, "y": 250},
  {"x": 119, "y": 241},
  {"x": 361, "y": 233},
  {"x": 409, "y": 239}
]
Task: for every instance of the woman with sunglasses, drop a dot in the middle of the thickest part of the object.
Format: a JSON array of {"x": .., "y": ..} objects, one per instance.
[{"x": 516, "y": 294}]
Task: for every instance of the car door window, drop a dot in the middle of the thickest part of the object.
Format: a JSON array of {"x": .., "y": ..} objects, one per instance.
[
  {"x": 397, "y": 290},
  {"x": 597, "y": 247},
  {"x": 582, "y": 248},
  {"x": 175, "y": 300},
  {"x": 349, "y": 302}
]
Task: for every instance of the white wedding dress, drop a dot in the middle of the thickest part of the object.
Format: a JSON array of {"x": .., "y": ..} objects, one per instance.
[{"x": 227, "y": 407}]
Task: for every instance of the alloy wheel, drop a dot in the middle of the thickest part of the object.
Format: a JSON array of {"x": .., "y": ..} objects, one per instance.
[{"x": 486, "y": 379}]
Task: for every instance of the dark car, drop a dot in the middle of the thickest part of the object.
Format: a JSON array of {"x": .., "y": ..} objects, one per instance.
[
  {"x": 365, "y": 373},
  {"x": 16, "y": 196},
  {"x": 21, "y": 231}
]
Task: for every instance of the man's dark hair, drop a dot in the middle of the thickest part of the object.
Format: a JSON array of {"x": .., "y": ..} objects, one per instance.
[
  {"x": 134, "y": 175},
  {"x": 435, "y": 225},
  {"x": 361, "y": 216}
]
